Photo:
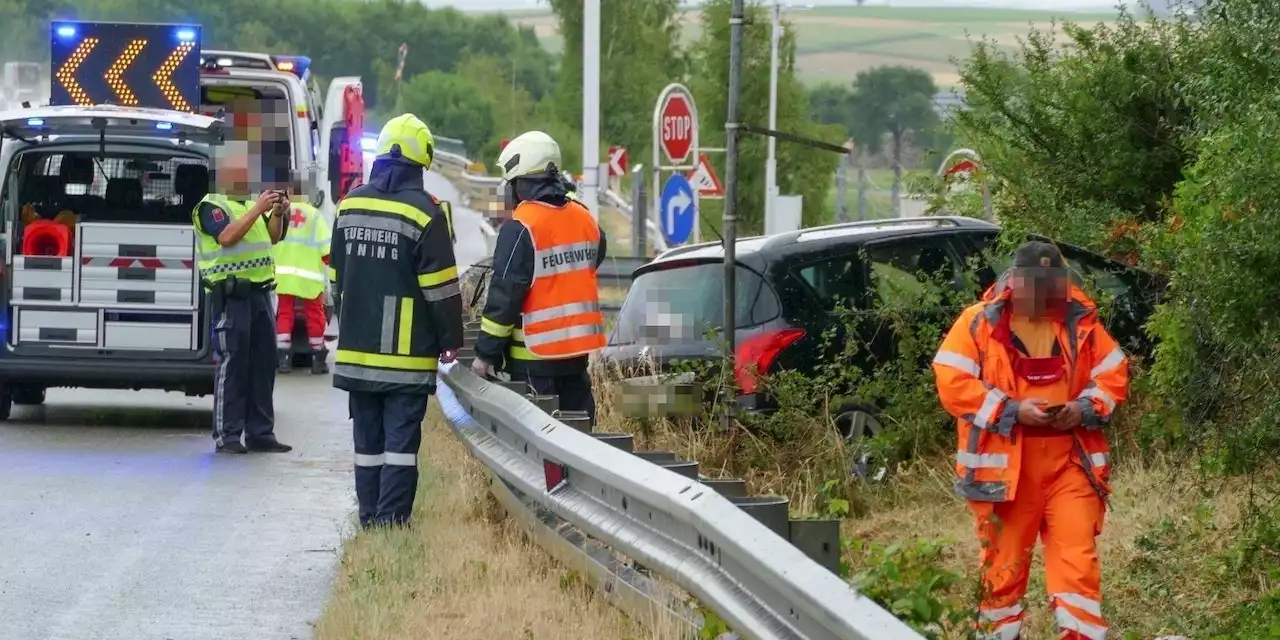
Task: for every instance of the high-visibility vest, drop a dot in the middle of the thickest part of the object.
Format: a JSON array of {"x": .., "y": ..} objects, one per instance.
[
  {"x": 561, "y": 314},
  {"x": 299, "y": 257},
  {"x": 976, "y": 383},
  {"x": 249, "y": 259}
]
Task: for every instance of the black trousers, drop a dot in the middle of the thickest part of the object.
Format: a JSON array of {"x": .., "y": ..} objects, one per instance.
[
  {"x": 244, "y": 340},
  {"x": 574, "y": 389},
  {"x": 387, "y": 433}
]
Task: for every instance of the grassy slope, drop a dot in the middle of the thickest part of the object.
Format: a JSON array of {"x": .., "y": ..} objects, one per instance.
[{"x": 835, "y": 43}]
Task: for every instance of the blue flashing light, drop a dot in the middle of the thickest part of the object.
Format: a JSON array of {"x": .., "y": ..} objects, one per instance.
[
  {"x": 35, "y": 122},
  {"x": 186, "y": 35},
  {"x": 66, "y": 31},
  {"x": 164, "y": 126},
  {"x": 369, "y": 144},
  {"x": 297, "y": 65}
]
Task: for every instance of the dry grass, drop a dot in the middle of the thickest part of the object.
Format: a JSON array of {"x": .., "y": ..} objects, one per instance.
[
  {"x": 1168, "y": 545},
  {"x": 464, "y": 572}
]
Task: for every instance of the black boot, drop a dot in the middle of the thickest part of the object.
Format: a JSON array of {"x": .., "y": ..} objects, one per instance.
[
  {"x": 284, "y": 360},
  {"x": 320, "y": 361}
]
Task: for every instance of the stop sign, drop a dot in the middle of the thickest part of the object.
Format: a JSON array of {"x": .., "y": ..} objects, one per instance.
[{"x": 677, "y": 127}]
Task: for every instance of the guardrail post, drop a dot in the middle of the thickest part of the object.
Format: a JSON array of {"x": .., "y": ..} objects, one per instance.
[
  {"x": 820, "y": 540},
  {"x": 550, "y": 404},
  {"x": 577, "y": 419},
  {"x": 656, "y": 456},
  {"x": 771, "y": 511},
  {"x": 727, "y": 487},
  {"x": 622, "y": 441},
  {"x": 686, "y": 468},
  {"x": 639, "y": 212}
]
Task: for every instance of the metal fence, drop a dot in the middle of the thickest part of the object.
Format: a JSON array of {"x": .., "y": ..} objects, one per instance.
[{"x": 644, "y": 526}]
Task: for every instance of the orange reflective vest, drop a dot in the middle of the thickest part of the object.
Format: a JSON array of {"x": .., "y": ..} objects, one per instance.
[
  {"x": 561, "y": 314},
  {"x": 977, "y": 385}
]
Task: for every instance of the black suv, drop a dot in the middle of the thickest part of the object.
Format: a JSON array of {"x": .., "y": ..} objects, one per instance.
[{"x": 789, "y": 286}]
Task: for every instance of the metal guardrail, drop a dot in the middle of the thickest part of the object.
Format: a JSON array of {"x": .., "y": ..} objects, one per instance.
[
  {"x": 451, "y": 160},
  {"x": 588, "y": 499}
]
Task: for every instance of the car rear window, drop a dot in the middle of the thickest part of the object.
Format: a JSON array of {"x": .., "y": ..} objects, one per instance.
[
  {"x": 112, "y": 187},
  {"x": 685, "y": 303}
]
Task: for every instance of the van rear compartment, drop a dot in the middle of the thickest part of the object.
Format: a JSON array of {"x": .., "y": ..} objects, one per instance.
[
  {"x": 43, "y": 280},
  {"x": 148, "y": 336},
  {"x": 60, "y": 326}
]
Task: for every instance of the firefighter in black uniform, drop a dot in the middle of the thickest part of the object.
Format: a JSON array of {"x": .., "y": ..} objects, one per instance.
[
  {"x": 540, "y": 323},
  {"x": 392, "y": 262}
]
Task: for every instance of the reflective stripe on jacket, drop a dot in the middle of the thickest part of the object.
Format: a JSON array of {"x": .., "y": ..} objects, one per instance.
[
  {"x": 299, "y": 257},
  {"x": 976, "y": 384},
  {"x": 250, "y": 258},
  {"x": 561, "y": 314}
]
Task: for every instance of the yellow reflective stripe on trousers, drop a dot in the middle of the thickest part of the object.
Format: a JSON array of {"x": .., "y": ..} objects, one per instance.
[
  {"x": 438, "y": 278},
  {"x": 405, "y": 334},
  {"x": 568, "y": 333},
  {"x": 543, "y": 315},
  {"x": 494, "y": 329},
  {"x": 333, "y": 274},
  {"x": 401, "y": 459},
  {"x": 285, "y": 270},
  {"x": 565, "y": 258},
  {"x": 386, "y": 206}
]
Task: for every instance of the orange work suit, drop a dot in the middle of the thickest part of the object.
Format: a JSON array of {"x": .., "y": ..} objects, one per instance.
[{"x": 1022, "y": 482}]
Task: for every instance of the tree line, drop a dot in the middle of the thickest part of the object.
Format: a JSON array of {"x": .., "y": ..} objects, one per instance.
[{"x": 481, "y": 78}]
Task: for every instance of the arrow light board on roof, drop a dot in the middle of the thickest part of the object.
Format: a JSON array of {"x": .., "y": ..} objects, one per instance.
[{"x": 134, "y": 65}]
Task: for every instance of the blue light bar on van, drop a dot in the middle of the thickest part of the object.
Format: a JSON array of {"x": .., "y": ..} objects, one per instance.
[
  {"x": 297, "y": 65},
  {"x": 186, "y": 35},
  {"x": 66, "y": 31},
  {"x": 35, "y": 122},
  {"x": 164, "y": 126}
]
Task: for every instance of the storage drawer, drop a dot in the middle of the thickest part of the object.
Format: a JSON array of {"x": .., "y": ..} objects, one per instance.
[
  {"x": 135, "y": 296},
  {"x": 69, "y": 327},
  {"x": 135, "y": 240},
  {"x": 40, "y": 295},
  {"x": 42, "y": 272},
  {"x": 147, "y": 335}
]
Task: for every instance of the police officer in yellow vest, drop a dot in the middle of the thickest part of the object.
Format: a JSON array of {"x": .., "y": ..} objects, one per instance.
[
  {"x": 234, "y": 239},
  {"x": 542, "y": 315},
  {"x": 302, "y": 261},
  {"x": 393, "y": 264}
]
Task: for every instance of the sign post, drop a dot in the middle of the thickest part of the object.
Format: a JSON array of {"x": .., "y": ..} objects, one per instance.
[{"x": 675, "y": 149}]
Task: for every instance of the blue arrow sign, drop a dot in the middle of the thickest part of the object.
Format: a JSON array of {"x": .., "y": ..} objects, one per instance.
[{"x": 677, "y": 209}]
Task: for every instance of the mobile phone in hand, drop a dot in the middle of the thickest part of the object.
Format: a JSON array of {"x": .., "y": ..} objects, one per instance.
[{"x": 1055, "y": 409}]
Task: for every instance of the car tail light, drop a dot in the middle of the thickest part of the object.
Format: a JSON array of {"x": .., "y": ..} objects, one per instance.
[{"x": 756, "y": 354}]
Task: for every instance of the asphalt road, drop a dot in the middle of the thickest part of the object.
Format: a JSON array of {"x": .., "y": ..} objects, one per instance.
[
  {"x": 117, "y": 521},
  {"x": 471, "y": 247}
]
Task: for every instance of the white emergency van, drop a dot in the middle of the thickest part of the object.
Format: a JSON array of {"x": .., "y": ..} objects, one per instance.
[{"x": 100, "y": 287}]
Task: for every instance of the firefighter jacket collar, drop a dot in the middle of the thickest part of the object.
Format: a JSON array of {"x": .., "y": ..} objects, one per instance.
[{"x": 390, "y": 175}]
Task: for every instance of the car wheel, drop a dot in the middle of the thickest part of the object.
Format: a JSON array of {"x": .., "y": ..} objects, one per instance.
[
  {"x": 856, "y": 423},
  {"x": 28, "y": 395}
]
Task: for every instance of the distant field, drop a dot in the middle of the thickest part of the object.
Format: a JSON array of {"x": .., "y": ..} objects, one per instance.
[{"x": 835, "y": 43}]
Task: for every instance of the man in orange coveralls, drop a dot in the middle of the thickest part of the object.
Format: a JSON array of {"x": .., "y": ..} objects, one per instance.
[{"x": 1032, "y": 376}]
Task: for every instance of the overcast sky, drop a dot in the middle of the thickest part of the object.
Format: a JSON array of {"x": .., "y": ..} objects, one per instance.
[{"x": 1063, "y": 5}]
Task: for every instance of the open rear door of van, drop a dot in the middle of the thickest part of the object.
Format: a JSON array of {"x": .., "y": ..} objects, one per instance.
[{"x": 340, "y": 133}]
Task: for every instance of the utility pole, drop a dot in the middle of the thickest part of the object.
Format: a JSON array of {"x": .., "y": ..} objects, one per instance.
[
  {"x": 729, "y": 224},
  {"x": 771, "y": 163},
  {"x": 591, "y": 106}
]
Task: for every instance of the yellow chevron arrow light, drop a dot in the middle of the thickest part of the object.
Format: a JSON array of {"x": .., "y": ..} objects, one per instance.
[
  {"x": 67, "y": 73},
  {"x": 117, "y": 69},
  {"x": 163, "y": 76}
]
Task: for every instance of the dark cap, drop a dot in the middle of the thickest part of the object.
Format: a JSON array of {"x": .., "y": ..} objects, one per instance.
[{"x": 1039, "y": 255}]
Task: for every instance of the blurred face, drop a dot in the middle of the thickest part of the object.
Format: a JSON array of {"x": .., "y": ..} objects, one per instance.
[
  {"x": 1038, "y": 290},
  {"x": 256, "y": 156}
]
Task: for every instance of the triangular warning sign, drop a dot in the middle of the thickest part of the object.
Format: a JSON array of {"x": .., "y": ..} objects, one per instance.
[{"x": 704, "y": 178}]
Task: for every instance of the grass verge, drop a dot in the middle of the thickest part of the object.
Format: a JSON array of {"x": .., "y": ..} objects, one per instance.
[{"x": 464, "y": 572}]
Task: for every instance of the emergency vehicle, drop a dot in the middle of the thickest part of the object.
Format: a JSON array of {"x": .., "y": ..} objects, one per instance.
[
  {"x": 320, "y": 131},
  {"x": 100, "y": 286}
]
